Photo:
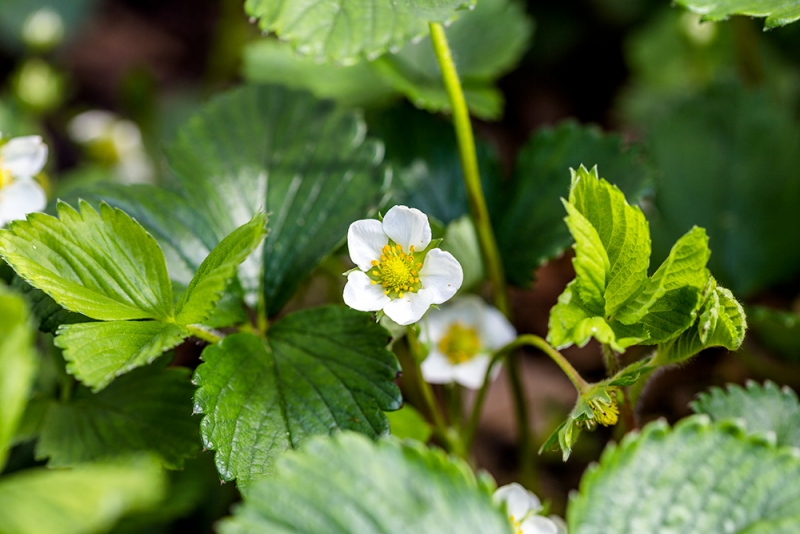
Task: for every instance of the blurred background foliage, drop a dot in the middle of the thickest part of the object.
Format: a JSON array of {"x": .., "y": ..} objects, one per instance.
[{"x": 697, "y": 121}]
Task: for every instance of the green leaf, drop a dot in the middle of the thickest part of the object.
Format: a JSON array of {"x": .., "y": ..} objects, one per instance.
[
  {"x": 18, "y": 364},
  {"x": 778, "y": 12},
  {"x": 408, "y": 423},
  {"x": 319, "y": 371},
  {"x": 629, "y": 375},
  {"x": 698, "y": 477},
  {"x": 765, "y": 410},
  {"x": 778, "y": 330},
  {"x": 357, "y": 85},
  {"x": 591, "y": 261},
  {"x": 529, "y": 221},
  {"x": 736, "y": 190},
  {"x": 305, "y": 162},
  {"x": 87, "y": 499},
  {"x": 217, "y": 270},
  {"x": 386, "y": 486},
  {"x": 104, "y": 265},
  {"x": 344, "y": 31},
  {"x": 96, "y": 353},
  {"x": 720, "y": 322},
  {"x": 47, "y": 312},
  {"x": 623, "y": 231},
  {"x": 505, "y": 32},
  {"x": 148, "y": 410},
  {"x": 685, "y": 266}
]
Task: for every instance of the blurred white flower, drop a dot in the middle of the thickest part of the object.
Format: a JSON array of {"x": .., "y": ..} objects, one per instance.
[
  {"x": 523, "y": 507},
  {"x": 115, "y": 141},
  {"x": 397, "y": 272},
  {"x": 462, "y": 335},
  {"x": 21, "y": 158}
]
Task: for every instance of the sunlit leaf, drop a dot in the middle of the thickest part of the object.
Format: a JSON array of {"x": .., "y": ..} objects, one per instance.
[{"x": 777, "y": 12}]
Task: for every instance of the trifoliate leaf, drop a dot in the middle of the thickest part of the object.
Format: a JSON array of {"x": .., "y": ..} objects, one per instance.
[
  {"x": 505, "y": 31},
  {"x": 765, "y": 410},
  {"x": 96, "y": 353},
  {"x": 408, "y": 423},
  {"x": 319, "y": 371},
  {"x": 148, "y": 410},
  {"x": 217, "y": 270},
  {"x": 386, "y": 486},
  {"x": 18, "y": 363},
  {"x": 699, "y": 477},
  {"x": 777, "y": 12},
  {"x": 344, "y": 31},
  {"x": 736, "y": 191},
  {"x": 720, "y": 322},
  {"x": 623, "y": 232},
  {"x": 90, "y": 498},
  {"x": 103, "y": 265},
  {"x": 357, "y": 85},
  {"x": 529, "y": 226}
]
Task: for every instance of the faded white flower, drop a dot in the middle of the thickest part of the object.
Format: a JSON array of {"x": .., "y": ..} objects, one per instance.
[
  {"x": 523, "y": 507},
  {"x": 398, "y": 271},
  {"x": 462, "y": 336},
  {"x": 21, "y": 158}
]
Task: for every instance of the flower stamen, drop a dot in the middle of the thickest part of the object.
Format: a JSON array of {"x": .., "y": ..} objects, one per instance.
[
  {"x": 460, "y": 344},
  {"x": 396, "y": 271}
]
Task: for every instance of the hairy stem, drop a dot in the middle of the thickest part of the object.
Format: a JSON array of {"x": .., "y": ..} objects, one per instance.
[
  {"x": 206, "y": 334},
  {"x": 469, "y": 165}
]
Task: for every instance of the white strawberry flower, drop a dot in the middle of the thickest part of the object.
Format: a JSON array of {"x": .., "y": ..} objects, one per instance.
[
  {"x": 461, "y": 337},
  {"x": 21, "y": 158},
  {"x": 397, "y": 269},
  {"x": 523, "y": 508}
]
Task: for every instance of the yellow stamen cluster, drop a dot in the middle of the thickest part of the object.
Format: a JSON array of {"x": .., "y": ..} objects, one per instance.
[
  {"x": 516, "y": 525},
  {"x": 606, "y": 414},
  {"x": 5, "y": 176},
  {"x": 460, "y": 344},
  {"x": 396, "y": 271}
]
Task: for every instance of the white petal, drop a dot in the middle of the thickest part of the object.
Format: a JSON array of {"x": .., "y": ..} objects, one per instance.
[
  {"x": 20, "y": 198},
  {"x": 537, "y": 524},
  {"x": 408, "y": 309},
  {"x": 441, "y": 274},
  {"x": 24, "y": 156},
  {"x": 362, "y": 295},
  {"x": 560, "y": 524},
  {"x": 470, "y": 374},
  {"x": 407, "y": 226},
  {"x": 365, "y": 239},
  {"x": 437, "y": 369},
  {"x": 495, "y": 330},
  {"x": 519, "y": 501}
]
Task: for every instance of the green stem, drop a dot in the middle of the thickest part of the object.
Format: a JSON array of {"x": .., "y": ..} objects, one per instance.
[
  {"x": 425, "y": 390},
  {"x": 523, "y": 421},
  {"x": 469, "y": 165},
  {"x": 204, "y": 333}
]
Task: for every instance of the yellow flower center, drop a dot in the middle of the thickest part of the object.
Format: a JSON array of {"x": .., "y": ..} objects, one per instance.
[
  {"x": 606, "y": 414},
  {"x": 5, "y": 176},
  {"x": 516, "y": 525},
  {"x": 460, "y": 344},
  {"x": 397, "y": 271}
]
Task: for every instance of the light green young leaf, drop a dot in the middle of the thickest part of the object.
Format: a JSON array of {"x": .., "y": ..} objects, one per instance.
[
  {"x": 720, "y": 322},
  {"x": 623, "y": 231},
  {"x": 358, "y": 85},
  {"x": 217, "y": 270},
  {"x": 87, "y": 499},
  {"x": 386, "y": 486},
  {"x": 505, "y": 32},
  {"x": 105, "y": 266},
  {"x": 344, "y": 31},
  {"x": 148, "y": 410},
  {"x": 96, "y": 353},
  {"x": 778, "y": 12},
  {"x": 699, "y": 477},
  {"x": 765, "y": 410},
  {"x": 408, "y": 423},
  {"x": 17, "y": 365},
  {"x": 591, "y": 261},
  {"x": 320, "y": 370},
  {"x": 45, "y": 311}
]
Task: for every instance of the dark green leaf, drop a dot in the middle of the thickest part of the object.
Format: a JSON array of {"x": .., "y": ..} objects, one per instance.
[
  {"x": 698, "y": 477},
  {"x": 104, "y": 265},
  {"x": 778, "y": 12},
  {"x": 148, "y": 410},
  {"x": 17, "y": 365},
  {"x": 345, "y": 31},
  {"x": 765, "y": 410},
  {"x": 319, "y": 371},
  {"x": 375, "y": 487},
  {"x": 87, "y": 499},
  {"x": 217, "y": 270},
  {"x": 96, "y": 353}
]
